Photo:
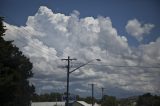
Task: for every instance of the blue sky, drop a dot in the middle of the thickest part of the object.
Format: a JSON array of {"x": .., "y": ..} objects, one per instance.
[
  {"x": 120, "y": 32},
  {"x": 120, "y": 11}
]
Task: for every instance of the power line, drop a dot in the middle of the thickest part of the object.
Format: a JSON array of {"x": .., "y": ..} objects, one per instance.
[
  {"x": 109, "y": 65},
  {"x": 45, "y": 52},
  {"x": 136, "y": 66},
  {"x": 36, "y": 47},
  {"x": 33, "y": 45}
]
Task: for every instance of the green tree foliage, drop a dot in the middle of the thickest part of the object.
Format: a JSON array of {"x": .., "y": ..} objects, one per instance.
[
  {"x": 89, "y": 100},
  {"x": 142, "y": 100},
  {"x": 130, "y": 101},
  {"x": 109, "y": 101},
  {"x": 15, "y": 69},
  {"x": 148, "y": 100},
  {"x": 47, "y": 97},
  {"x": 55, "y": 96}
]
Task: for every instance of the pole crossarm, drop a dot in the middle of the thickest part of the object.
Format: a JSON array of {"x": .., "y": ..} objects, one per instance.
[{"x": 69, "y": 59}]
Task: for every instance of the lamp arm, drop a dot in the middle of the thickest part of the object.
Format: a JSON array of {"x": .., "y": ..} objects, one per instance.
[{"x": 80, "y": 66}]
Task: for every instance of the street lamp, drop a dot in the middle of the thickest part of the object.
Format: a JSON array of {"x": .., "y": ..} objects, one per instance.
[{"x": 69, "y": 72}]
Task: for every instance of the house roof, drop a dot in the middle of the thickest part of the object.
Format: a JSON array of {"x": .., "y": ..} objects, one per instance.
[
  {"x": 59, "y": 103},
  {"x": 48, "y": 103},
  {"x": 83, "y": 103}
]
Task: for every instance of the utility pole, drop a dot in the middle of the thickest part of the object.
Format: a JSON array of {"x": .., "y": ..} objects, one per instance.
[
  {"x": 102, "y": 95},
  {"x": 68, "y": 68},
  {"x": 69, "y": 72},
  {"x": 92, "y": 85},
  {"x": 102, "y": 92}
]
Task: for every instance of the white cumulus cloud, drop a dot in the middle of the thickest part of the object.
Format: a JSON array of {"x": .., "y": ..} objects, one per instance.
[
  {"x": 48, "y": 37},
  {"x": 137, "y": 29}
]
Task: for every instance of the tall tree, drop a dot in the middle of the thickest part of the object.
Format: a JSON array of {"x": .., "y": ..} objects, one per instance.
[
  {"x": 15, "y": 69},
  {"x": 109, "y": 101},
  {"x": 148, "y": 100}
]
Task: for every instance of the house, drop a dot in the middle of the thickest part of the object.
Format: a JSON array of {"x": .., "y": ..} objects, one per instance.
[
  {"x": 75, "y": 103},
  {"x": 80, "y": 103},
  {"x": 97, "y": 104}
]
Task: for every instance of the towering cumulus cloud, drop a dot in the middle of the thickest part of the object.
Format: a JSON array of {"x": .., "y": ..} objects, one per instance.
[{"x": 48, "y": 37}]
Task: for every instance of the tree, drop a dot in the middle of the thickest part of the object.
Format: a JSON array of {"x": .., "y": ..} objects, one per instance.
[
  {"x": 109, "y": 101},
  {"x": 47, "y": 97},
  {"x": 15, "y": 69},
  {"x": 89, "y": 100},
  {"x": 148, "y": 100}
]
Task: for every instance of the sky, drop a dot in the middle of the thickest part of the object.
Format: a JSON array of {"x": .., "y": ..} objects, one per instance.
[{"x": 120, "y": 33}]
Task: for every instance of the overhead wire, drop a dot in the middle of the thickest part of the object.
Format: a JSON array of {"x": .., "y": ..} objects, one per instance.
[
  {"x": 46, "y": 52},
  {"x": 35, "y": 46},
  {"x": 109, "y": 65},
  {"x": 43, "y": 51}
]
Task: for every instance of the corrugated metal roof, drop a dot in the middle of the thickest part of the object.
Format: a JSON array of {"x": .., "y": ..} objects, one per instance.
[
  {"x": 59, "y": 103},
  {"x": 83, "y": 103},
  {"x": 48, "y": 104}
]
